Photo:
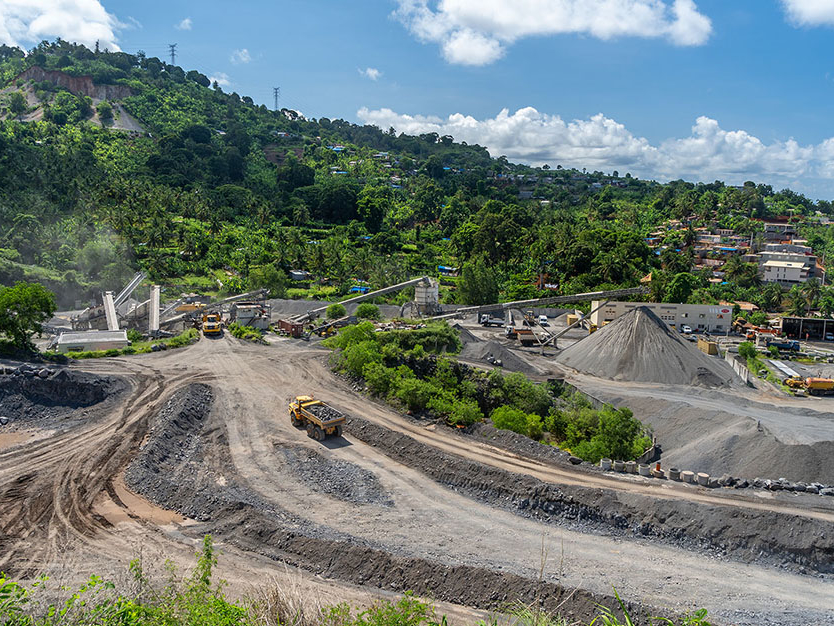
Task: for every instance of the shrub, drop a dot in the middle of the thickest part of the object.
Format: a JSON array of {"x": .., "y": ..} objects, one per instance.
[
  {"x": 378, "y": 377},
  {"x": 465, "y": 412},
  {"x": 747, "y": 350},
  {"x": 509, "y": 418},
  {"x": 357, "y": 355},
  {"x": 414, "y": 393},
  {"x": 368, "y": 311},
  {"x": 335, "y": 311}
]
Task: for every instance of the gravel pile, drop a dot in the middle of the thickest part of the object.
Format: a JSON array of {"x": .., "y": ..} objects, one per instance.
[
  {"x": 340, "y": 479},
  {"x": 466, "y": 336},
  {"x": 639, "y": 346},
  {"x": 47, "y": 397},
  {"x": 491, "y": 352}
]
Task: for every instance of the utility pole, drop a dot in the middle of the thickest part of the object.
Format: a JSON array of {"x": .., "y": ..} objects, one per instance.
[
  {"x": 173, "y": 48},
  {"x": 276, "y": 91}
]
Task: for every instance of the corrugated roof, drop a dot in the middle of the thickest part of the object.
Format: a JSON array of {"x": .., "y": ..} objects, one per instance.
[
  {"x": 93, "y": 336},
  {"x": 787, "y": 264}
]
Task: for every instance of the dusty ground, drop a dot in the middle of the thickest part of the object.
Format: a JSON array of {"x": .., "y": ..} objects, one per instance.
[{"x": 65, "y": 506}]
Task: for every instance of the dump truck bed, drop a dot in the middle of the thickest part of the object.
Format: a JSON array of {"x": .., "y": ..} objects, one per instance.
[{"x": 326, "y": 415}]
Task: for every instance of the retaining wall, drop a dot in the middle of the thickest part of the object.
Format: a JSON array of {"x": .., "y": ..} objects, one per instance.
[{"x": 739, "y": 367}]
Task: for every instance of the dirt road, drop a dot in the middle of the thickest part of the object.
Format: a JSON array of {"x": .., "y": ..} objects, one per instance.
[{"x": 64, "y": 504}]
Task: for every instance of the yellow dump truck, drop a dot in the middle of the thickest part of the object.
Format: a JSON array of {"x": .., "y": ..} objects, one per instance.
[
  {"x": 317, "y": 417},
  {"x": 814, "y": 386},
  {"x": 212, "y": 327}
]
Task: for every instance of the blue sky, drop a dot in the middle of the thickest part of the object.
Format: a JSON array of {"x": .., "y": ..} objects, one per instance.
[{"x": 699, "y": 89}]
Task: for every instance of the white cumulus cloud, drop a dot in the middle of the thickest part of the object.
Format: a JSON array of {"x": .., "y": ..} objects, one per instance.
[
  {"x": 221, "y": 79},
  {"x": 185, "y": 24},
  {"x": 26, "y": 22},
  {"x": 371, "y": 72},
  {"x": 601, "y": 143},
  {"x": 240, "y": 56},
  {"x": 810, "y": 12},
  {"x": 477, "y": 32}
]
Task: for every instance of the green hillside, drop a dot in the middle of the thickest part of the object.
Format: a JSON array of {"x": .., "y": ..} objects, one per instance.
[{"x": 146, "y": 165}]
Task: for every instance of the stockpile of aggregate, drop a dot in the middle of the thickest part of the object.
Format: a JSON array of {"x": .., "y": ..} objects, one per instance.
[
  {"x": 46, "y": 397},
  {"x": 483, "y": 350},
  {"x": 639, "y": 346},
  {"x": 335, "y": 477}
]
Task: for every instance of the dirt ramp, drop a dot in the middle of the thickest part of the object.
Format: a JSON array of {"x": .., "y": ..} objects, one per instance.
[
  {"x": 640, "y": 347},
  {"x": 184, "y": 464}
]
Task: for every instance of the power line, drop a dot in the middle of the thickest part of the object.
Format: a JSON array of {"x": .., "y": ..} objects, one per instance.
[
  {"x": 276, "y": 91},
  {"x": 173, "y": 49}
]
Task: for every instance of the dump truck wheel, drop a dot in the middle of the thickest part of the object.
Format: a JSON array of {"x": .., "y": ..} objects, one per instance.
[
  {"x": 319, "y": 434},
  {"x": 311, "y": 431},
  {"x": 338, "y": 431},
  {"x": 295, "y": 421}
]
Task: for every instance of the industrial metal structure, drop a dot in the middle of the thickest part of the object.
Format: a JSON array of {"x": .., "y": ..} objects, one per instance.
[{"x": 426, "y": 297}]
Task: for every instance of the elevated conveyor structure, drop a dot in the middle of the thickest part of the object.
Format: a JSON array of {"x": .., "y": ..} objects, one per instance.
[
  {"x": 314, "y": 313},
  {"x": 577, "y": 297}
]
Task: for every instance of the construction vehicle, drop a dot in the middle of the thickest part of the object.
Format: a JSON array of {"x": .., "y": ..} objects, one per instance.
[
  {"x": 814, "y": 386},
  {"x": 790, "y": 346},
  {"x": 592, "y": 328},
  {"x": 317, "y": 417},
  {"x": 212, "y": 326},
  {"x": 293, "y": 329},
  {"x": 526, "y": 337},
  {"x": 487, "y": 320}
]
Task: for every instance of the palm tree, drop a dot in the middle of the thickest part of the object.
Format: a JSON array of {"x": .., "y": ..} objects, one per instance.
[
  {"x": 771, "y": 296},
  {"x": 811, "y": 291},
  {"x": 797, "y": 302}
]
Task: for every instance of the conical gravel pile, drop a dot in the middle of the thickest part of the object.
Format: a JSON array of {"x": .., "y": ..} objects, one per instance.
[{"x": 639, "y": 346}]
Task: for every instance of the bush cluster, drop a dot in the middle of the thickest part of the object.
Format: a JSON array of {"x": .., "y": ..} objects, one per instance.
[
  {"x": 410, "y": 369},
  {"x": 246, "y": 333}
]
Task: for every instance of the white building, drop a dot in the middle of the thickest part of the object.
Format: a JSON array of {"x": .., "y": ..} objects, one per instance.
[
  {"x": 699, "y": 317},
  {"x": 92, "y": 340},
  {"x": 784, "y": 272}
]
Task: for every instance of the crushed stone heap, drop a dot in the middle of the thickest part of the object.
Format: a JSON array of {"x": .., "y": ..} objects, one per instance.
[{"x": 640, "y": 347}]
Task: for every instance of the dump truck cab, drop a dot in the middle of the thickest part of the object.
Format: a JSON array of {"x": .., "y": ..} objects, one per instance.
[{"x": 319, "y": 419}]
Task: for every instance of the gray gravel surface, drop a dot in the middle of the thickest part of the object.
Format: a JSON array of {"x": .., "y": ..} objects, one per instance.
[
  {"x": 340, "y": 479},
  {"x": 46, "y": 397}
]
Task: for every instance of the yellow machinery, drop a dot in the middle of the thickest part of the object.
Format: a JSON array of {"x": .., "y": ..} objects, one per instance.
[
  {"x": 212, "y": 326},
  {"x": 317, "y": 417},
  {"x": 814, "y": 386}
]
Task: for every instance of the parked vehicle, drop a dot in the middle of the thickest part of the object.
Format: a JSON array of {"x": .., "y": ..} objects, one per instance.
[
  {"x": 487, "y": 319},
  {"x": 789, "y": 346},
  {"x": 829, "y": 337},
  {"x": 686, "y": 330},
  {"x": 543, "y": 320},
  {"x": 813, "y": 386}
]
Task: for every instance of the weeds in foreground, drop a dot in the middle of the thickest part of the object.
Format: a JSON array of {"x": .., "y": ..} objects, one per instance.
[{"x": 197, "y": 599}]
